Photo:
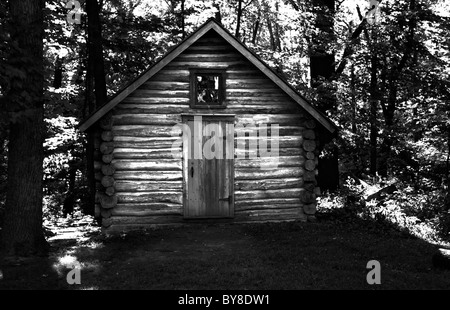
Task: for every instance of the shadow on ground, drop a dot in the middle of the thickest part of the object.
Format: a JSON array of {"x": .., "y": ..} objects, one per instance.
[{"x": 328, "y": 254}]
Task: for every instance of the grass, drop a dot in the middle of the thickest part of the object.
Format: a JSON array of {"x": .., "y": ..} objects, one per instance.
[{"x": 328, "y": 254}]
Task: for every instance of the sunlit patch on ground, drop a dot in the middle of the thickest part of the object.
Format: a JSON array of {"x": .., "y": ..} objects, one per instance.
[{"x": 89, "y": 288}]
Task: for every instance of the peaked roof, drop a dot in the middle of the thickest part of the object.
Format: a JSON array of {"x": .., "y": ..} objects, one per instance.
[{"x": 181, "y": 47}]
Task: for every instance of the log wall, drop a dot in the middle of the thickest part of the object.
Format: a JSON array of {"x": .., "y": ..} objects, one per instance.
[{"x": 141, "y": 183}]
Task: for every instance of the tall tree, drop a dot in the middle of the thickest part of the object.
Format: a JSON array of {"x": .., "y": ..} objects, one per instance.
[
  {"x": 398, "y": 64},
  {"x": 95, "y": 88},
  {"x": 22, "y": 233},
  {"x": 238, "y": 21},
  {"x": 322, "y": 71}
]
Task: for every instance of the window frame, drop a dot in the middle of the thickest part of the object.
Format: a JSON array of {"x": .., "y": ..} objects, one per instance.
[{"x": 193, "y": 73}]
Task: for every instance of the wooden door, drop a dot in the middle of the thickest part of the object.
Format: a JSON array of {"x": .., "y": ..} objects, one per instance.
[{"x": 208, "y": 155}]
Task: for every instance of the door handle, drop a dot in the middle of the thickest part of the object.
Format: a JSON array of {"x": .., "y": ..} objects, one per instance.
[{"x": 192, "y": 171}]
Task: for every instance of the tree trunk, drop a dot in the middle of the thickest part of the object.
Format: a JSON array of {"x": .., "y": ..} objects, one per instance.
[
  {"x": 183, "y": 30},
  {"x": 256, "y": 27},
  {"x": 22, "y": 233},
  {"x": 373, "y": 112},
  {"x": 271, "y": 37},
  {"x": 218, "y": 15},
  {"x": 322, "y": 65},
  {"x": 238, "y": 22},
  {"x": 95, "y": 81},
  {"x": 277, "y": 39},
  {"x": 394, "y": 76},
  {"x": 57, "y": 81},
  {"x": 389, "y": 112},
  {"x": 353, "y": 101}
]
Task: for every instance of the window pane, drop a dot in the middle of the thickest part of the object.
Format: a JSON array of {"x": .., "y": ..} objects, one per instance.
[{"x": 208, "y": 89}]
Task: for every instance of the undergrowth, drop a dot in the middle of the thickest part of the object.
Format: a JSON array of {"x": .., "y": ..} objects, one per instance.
[{"x": 417, "y": 211}]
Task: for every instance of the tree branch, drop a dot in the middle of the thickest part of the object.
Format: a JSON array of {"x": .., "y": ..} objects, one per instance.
[
  {"x": 348, "y": 51},
  {"x": 294, "y": 5}
]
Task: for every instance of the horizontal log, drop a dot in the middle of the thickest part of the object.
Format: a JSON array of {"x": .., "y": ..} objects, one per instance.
[
  {"x": 310, "y": 155},
  {"x": 107, "y": 135},
  {"x": 257, "y": 92},
  {"x": 148, "y": 176},
  {"x": 143, "y": 100},
  {"x": 206, "y": 46},
  {"x": 268, "y": 184},
  {"x": 147, "y": 131},
  {"x": 136, "y": 221},
  {"x": 258, "y": 174},
  {"x": 155, "y": 196},
  {"x": 206, "y": 64},
  {"x": 147, "y": 209},
  {"x": 108, "y": 169},
  {"x": 268, "y": 207},
  {"x": 106, "y": 222},
  {"x": 147, "y": 153},
  {"x": 307, "y": 197},
  {"x": 309, "y": 176},
  {"x": 247, "y": 153},
  {"x": 310, "y": 165},
  {"x": 268, "y": 100},
  {"x": 154, "y": 93},
  {"x": 106, "y": 213},
  {"x": 108, "y": 181},
  {"x": 270, "y": 215},
  {"x": 267, "y": 130},
  {"x": 257, "y": 81},
  {"x": 216, "y": 57},
  {"x": 309, "y": 134},
  {"x": 251, "y": 108},
  {"x": 309, "y": 209},
  {"x": 158, "y": 100},
  {"x": 267, "y": 201},
  {"x": 110, "y": 191},
  {"x": 107, "y": 147},
  {"x": 263, "y": 194},
  {"x": 163, "y": 77},
  {"x": 310, "y": 123},
  {"x": 144, "y": 108},
  {"x": 107, "y": 158},
  {"x": 146, "y": 119},
  {"x": 280, "y": 119},
  {"x": 309, "y": 145},
  {"x": 169, "y": 85},
  {"x": 283, "y": 142},
  {"x": 276, "y": 161},
  {"x": 147, "y": 164},
  {"x": 108, "y": 202},
  {"x": 309, "y": 186},
  {"x": 250, "y": 84},
  {"x": 232, "y": 108},
  {"x": 144, "y": 186}
]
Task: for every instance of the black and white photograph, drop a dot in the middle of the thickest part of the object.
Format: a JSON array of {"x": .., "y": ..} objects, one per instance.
[{"x": 222, "y": 152}]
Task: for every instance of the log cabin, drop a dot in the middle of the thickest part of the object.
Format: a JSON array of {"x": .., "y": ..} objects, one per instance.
[{"x": 209, "y": 132}]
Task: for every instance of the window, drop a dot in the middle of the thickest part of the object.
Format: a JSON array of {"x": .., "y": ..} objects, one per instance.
[{"x": 207, "y": 88}]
